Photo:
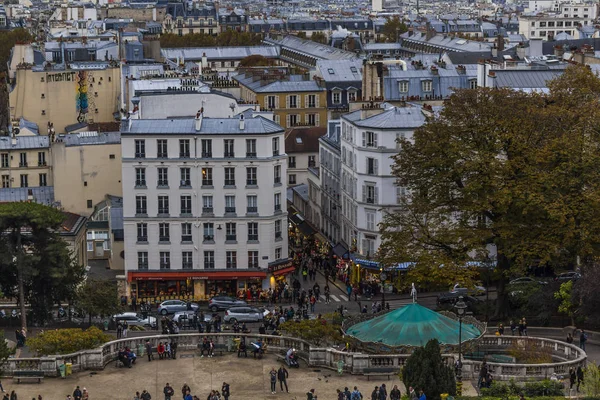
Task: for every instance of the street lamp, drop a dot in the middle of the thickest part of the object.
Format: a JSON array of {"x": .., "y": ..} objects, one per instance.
[
  {"x": 382, "y": 277},
  {"x": 461, "y": 307}
]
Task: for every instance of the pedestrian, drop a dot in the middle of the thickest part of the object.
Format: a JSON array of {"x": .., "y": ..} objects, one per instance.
[
  {"x": 125, "y": 326},
  {"x": 119, "y": 330},
  {"x": 340, "y": 395},
  {"x": 185, "y": 389},
  {"x": 188, "y": 396},
  {"x": 356, "y": 394},
  {"x": 572, "y": 378},
  {"x": 347, "y": 393},
  {"x": 412, "y": 394},
  {"x": 168, "y": 391},
  {"x": 327, "y": 294},
  {"x": 310, "y": 395},
  {"x": 375, "y": 393},
  {"x": 582, "y": 339},
  {"x": 85, "y": 395},
  {"x": 2, "y": 387},
  {"x": 524, "y": 327},
  {"x": 225, "y": 391},
  {"x": 395, "y": 393},
  {"x": 569, "y": 338},
  {"x": 13, "y": 395},
  {"x": 422, "y": 395},
  {"x": 282, "y": 375},
  {"x": 383, "y": 392},
  {"x": 501, "y": 329},
  {"x": 174, "y": 349},
  {"x": 76, "y": 394},
  {"x": 145, "y": 395},
  {"x": 273, "y": 375},
  {"x": 149, "y": 351},
  {"x": 513, "y": 327},
  {"x": 579, "y": 377},
  {"x": 482, "y": 374},
  {"x": 137, "y": 396}
]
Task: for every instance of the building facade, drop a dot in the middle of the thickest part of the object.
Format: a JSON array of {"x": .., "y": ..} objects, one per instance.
[
  {"x": 193, "y": 222},
  {"x": 330, "y": 173}
]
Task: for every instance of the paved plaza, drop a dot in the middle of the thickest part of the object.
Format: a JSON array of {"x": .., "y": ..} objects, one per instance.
[{"x": 249, "y": 380}]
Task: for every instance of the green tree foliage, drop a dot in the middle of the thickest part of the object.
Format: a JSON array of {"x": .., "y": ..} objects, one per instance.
[
  {"x": 66, "y": 341},
  {"x": 565, "y": 296},
  {"x": 98, "y": 298},
  {"x": 33, "y": 255},
  {"x": 425, "y": 369},
  {"x": 392, "y": 28},
  {"x": 319, "y": 37},
  {"x": 227, "y": 38},
  {"x": 585, "y": 294},
  {"x": 315, "y": 331},
  {"x": 591, "y": 381},
  {"x": 256, "y": 60},
  {"x": 301, "y": 35},
  {"x": 5, "y": 351},
  {"x": 505, "y": 168}
]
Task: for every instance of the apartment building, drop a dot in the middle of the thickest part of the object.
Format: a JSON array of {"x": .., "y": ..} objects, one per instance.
[
  {"x": 302, "y": 149},
  {"x": 567, "y": 18},
  {"x": 188, "y": 18},
  {"x": 369, "y": 190},
  {"x": 203, "y": 205},
  {"x": 330, "y": 172}
]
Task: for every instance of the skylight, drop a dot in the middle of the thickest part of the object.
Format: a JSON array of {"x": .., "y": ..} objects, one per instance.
[
  {"x": 353, "y": 69},
  {"x": 298, "y": 140},
  {"x": 331, "y": 71}
]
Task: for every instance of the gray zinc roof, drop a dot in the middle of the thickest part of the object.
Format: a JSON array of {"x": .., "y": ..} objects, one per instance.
[
  {"x": 343, "y": 70},
  {"x": 392, "y": 118},
  {"x": 91, "y": 138},
  {"x": 24, "y": 142},
  {"x": 525, "y": 79},
  {"x": 219, "y": 53},
  {"x": 320, "y": 51},
  {"x": 209, "y": 126},
  {"x": 41, "y": 195}
]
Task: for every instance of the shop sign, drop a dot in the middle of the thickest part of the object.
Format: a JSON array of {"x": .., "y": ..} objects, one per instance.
[
  {"x": 198, "y": 278},
  {"x": 275, "y": 268},
  {"x": 150, "y": 278},
  {"x": 61, "y": 77}
]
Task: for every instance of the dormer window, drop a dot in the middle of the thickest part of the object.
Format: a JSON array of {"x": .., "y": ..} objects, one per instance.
[
  {"x": 403, "y": 86},
  {"x": 427, "y": 86}
]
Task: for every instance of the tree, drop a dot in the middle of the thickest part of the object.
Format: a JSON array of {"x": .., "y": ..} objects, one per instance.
[
  {"x": 256, "y": 60},
  {"x": 301, "y": 35},
  {"x": 98, "y": 298},
  {"x": 65, "y": 341},
  {"x": 393, "y": 28},
  {"x": 506, "y": 171},
  {"x": 316, "y": 331},
  {"x": 425, "y": 369},
  {"x": 585, "y": 291},
  {"x": 319, "y": 37},
  {"x": 591, "y": 381},
  {"x": 565, "y": 296},
  {"x": 34, "y": 259},
  {"x": 5, "y": 351}
]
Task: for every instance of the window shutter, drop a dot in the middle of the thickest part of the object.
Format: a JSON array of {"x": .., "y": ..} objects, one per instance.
[
  {"x": 374, "y": 139},
  {"x": 364, "y": 193},
  {"x": 317, "y": 120},
  {"x": 364, "y": 249},
  {"x": 376, "y": 194},
  {"x": 266, "y": 102},
  {"x": 364, "y": 139},
  {"x": 287, "y": 104},
  {"x": 317, "y": 100},
  {"x": 306, "y": 102},
  {"x": 287, "y": 120},
  {"x": 376, "y": 166},
  {"x": 276, "y": 101},
  {"x": 278, "y": 120}
]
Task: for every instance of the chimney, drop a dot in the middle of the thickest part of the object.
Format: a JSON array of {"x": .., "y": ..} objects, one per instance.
[
  {"x": 204, "y": 61},
  {"x": 559, "y": 51},
  {"x": 14, "y": 140},
  {"x": 535, "y": 47},
  {"x": 500, "y": 43},
  {"x": 242, "y": 122},
  {"x": 198, "y": 120}
]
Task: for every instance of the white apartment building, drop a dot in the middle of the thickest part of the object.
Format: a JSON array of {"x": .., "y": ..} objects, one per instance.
[
  {"x": 330, "y": 171},
  {"x": 203, "y": 205},
  {"x": 369, "y": 190},
  {"x": 565, "y": 17}
]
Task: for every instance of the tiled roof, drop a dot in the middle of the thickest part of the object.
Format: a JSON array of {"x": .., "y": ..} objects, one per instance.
[
  {"x": 303, "y": 140},
  {"x": 72, "y": 223}
]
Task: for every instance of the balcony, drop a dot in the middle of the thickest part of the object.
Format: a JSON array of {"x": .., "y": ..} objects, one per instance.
[
  {"x": 229, "y": 210},
  {"x": 187, "y": 265},
  {"x": 140, "y": 183},
  {"x": 250, "y": 155},
  {"x": 185, "y": 184},
  {"x": 251, "y": 210},
  {"x": 142, "y": 239},
  {"x": 231, "y": 238},
  {"x": 207, "y": 210},
  {"x": 23, "y": 164},
  {"x": 277, "y": 207},
  {"x": 165, "y": 265},
  {"x": 207, "y": 182},
  {"x": 163, "y": 184},
  {"x": 142, "y": 267},
  {"x": 206, "y": 154},
  {"x": 229, "y": 182},
  {"x": 186, "y": 212},
  {"x": 277, "y": 235},
  {"x": 185, "y": 154},
  {"x": 209, "y": 238},
  {"x": 253, "y": 238},
  {"x": 162, "y": 155},
  {"x": 186, "y": 238},
  {"x": 140, "y": 155},
  {"x": 42, "y": 164},
  {"x": 229, "y": 154},
  {"x": 251, "y": 182},
  {"x": 371, "y": 200},
  {"x": 141, "y": 212},
  {"x": 163, "y": 213},
  {"x": 164, "y": 239}
]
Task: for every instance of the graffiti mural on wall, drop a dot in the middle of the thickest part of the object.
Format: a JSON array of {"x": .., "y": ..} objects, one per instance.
[{"x": 81, "y": 96}]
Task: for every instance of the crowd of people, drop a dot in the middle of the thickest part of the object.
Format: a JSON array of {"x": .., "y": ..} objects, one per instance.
[{"x": 186, "y": 392}]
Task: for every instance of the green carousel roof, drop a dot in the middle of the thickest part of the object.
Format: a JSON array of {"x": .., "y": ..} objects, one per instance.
[{"x": 411, "y": 325}]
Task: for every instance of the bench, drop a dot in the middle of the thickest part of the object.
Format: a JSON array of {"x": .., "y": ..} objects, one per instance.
[
  {"x": 219, "y": 348},
  {"x": 25, "y": 375},
  {"x": 380, "y": 371}
]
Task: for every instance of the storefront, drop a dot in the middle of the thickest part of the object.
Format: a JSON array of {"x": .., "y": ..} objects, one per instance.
[
  {"x": 155, "y": 287},
  {"x": 280, "y": 270}
]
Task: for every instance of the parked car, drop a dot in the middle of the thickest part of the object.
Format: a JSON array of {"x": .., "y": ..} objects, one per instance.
[
  {"x": 526, "y": 280},
  {"x": 224, "y": 302},
  {"x": 135, "y": 320},
  {"x": 172, "y": 306},
  {"x": 474, "y": 291},
  {"x": 181, "y": 315},
  {"x": 243, "y": 314},
  {"x": 451, "y": 298},
  {"x": 568, "y": 276}
]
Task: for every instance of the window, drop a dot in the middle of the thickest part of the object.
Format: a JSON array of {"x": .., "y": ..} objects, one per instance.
[
  {"x": 271, "y": 102},
  {"x": 163, "y": 232},
  {"x": 292, "y": 120},
  {"x": 229, "y": 176},
  {"x": 140, "y": 177},
  {"x": 370, "y": 194},
  {"x": 275, "y": 147},
  {"x": 277, "y": 174},
  {"x": 368, "y": 246},
  {"x": 206, "y": 148},
  {"x": 43, "y": 180},
  {"x": 228, "y": 145},
  {"x": 209, "y": 260},
  {"x": 253, "y": 259},
  {"x": 163, "y": 205},
  {"x": 369, "y": 139},
  {"x": 278, "y": 253},
  {"x": 185, "y": 177},
  {"x": 186, "y": 205},
  {"x": 186, "y": 232},
  {"x": 163, "y": 179},
  {"x": 229, "y": 204},
  {"x": 184, "y": 148},
  {"x": 230, "y": 231},
  {"x": 41, "y": 159},
  {"x": 372, "y": 166},
  {"x": 24, "y": 180},
  {"x": 22, "y": 159},
  {"x": 277, "y": 201},
  {"x": 252, "y": 231},
  {"x": 311, "y": 119},
  {"x": 293, "y": 101},
  {"x": 292, "y": 179},
  {"x": 472, "y": 83},
  {"x": 400, "y": 194},
  {"x": 90, "y": 204},
  {"x": 427, "y": 86},
  {"x": 250, "y": 148},
  {"x": 142, "y": 232},
  {"x": 209, "y": 232},
  {"x": 251, "y": 176},
  {"x": 252, "y": 204},
  {"x": 351, "y": 95},
  {"x": 403, "y": 86},
  {"x": 186, "y": 260},
  {"x": 161, "y": 148},
  {"x": 312, "y": 101},
  {"x": 4, "y": 160},
  {"x": 165, "y": 260},
  {"x": 140, "y": 148},
  {"x": 5, "y": 181},
  {"x": 336, "y": 97},
  {"x": 141, "y": 206},
  {"x": 207, "y": 204},
  {"x": 231, "y": 259},
  {"x": 370, "y": 217},
  {"x": 278, "y": 229},
  {"x": 312, "y": 161},
  {"x": 292, "y": 162},
  {"x": 207, "y": 177},
  {"x": 142, "y": 260}
]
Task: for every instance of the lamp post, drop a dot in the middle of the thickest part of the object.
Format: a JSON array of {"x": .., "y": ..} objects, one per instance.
[
  {"x": 461, "y": 307},
  {"x": 383, "y": 277}
]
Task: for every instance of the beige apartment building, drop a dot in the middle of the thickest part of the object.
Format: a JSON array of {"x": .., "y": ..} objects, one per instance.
[
  {"x": 86, "y": 167},
  {"x": 86, "y": 92},
  {"x": 25, "y": 161}
]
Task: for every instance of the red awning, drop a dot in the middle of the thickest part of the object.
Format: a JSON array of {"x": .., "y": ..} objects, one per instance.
[
  {"x": 171, "y": 275},
  {"x": 284, "y": 271}
]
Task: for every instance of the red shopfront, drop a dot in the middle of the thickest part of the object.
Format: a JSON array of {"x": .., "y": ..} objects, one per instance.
[{"x": 158, "y": 286}]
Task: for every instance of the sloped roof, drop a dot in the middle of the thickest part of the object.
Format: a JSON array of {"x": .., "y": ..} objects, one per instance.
[
  {"x": 209, "y": 126},
  {"x": 412, "y": 325},
  {"x": 392, "y": 118},
  {"x": 303, "y": 140}
]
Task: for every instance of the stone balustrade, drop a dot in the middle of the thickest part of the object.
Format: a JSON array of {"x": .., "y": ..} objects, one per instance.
[{"x": 569, "y": 356}]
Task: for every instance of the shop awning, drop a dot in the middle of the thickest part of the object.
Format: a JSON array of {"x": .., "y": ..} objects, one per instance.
[
  {"x": 366, "y": 263},
  {"x": 284, "y": 271},
  {"x": 340, "y": 250},
  {"x": 295, "y": 219},
  {"x": 321, "y": 238},
  {"x": 306, "y": 229},
  {"x": 194, "y": 275}
]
